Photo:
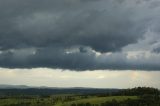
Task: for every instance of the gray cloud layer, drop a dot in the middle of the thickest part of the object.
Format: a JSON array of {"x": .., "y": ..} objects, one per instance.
[{"x": 80, "y": 34}]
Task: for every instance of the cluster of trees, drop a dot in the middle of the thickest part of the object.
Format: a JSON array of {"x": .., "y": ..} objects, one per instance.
[{"x": 139, "y": 91}]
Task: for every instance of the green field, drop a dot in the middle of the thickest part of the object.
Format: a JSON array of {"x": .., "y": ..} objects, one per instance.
[
  {"x": 97, "y": 100},
  {"x": 30, "y": 102},
  {"x": 50, "y": 101}
]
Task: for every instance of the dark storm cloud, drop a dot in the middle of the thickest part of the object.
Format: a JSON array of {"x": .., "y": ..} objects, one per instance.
[
  {"x": 79, "y": 59},
  {"x": 103, "y": 26},
  {"x": 68, "y": 34},
  {"x": 156, "y": 50}
]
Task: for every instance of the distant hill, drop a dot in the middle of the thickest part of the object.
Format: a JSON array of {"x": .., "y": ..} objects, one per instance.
[
  {"x": 5, "y": 86},
  {"x": 42, "y": 90}
]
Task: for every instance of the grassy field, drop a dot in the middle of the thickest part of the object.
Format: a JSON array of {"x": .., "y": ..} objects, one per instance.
[
  {"x": 50, "y": 101},
  {"x": 30, "y": 102},
  {"x": 97, "y": 100}
]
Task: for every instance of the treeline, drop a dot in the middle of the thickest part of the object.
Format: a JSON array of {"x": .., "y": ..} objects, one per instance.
[
  {"x": 138, "y": 91},
  {"x": 53, "y": 91}
]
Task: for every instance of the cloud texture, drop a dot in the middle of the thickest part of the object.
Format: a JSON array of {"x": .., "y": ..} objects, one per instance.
[{"x": 80, "y": 34}]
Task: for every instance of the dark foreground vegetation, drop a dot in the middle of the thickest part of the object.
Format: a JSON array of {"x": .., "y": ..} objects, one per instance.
[{"x": 140, "y": 96}]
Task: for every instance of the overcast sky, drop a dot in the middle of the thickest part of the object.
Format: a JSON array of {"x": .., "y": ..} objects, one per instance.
[{"x": 118, "y": 37}]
